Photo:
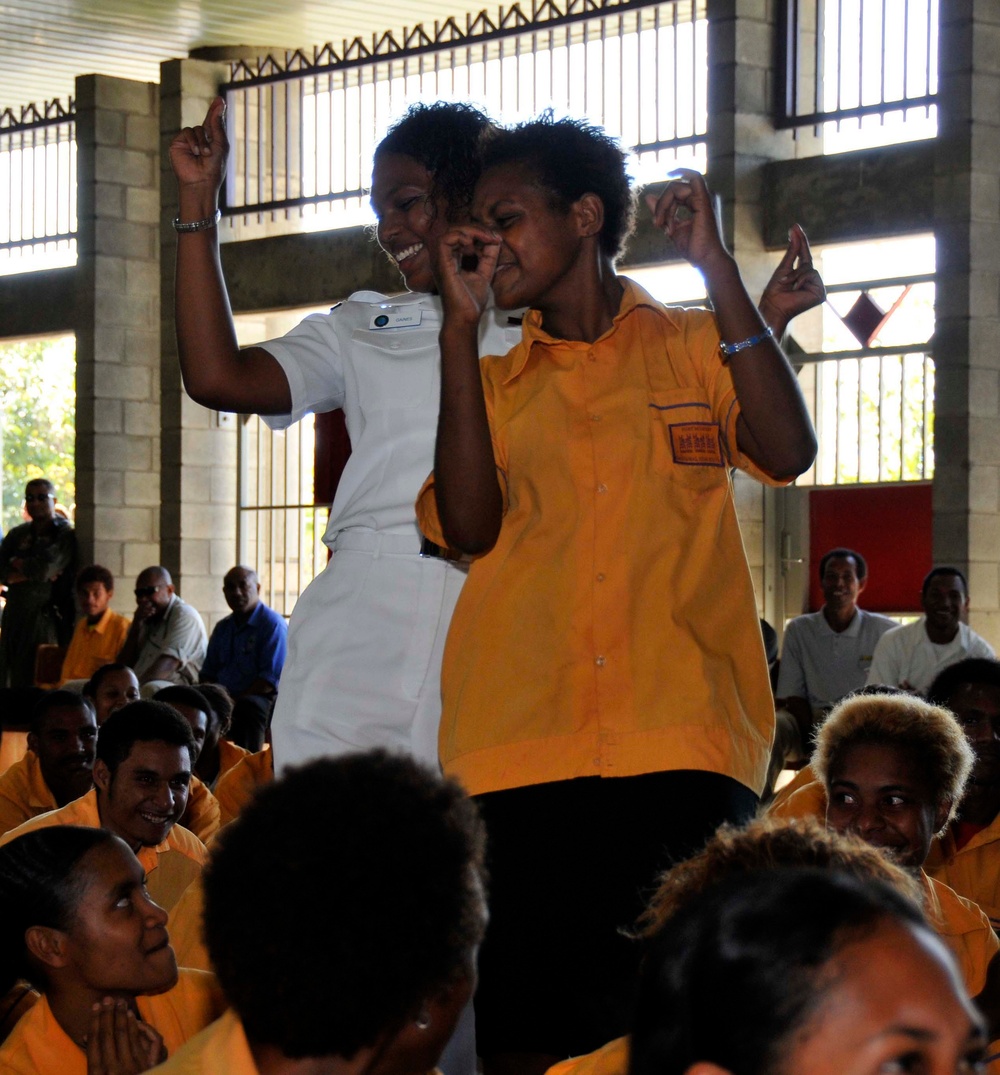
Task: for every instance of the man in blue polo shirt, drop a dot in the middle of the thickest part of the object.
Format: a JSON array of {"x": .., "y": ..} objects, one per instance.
[{"x": 245, "y": 655}]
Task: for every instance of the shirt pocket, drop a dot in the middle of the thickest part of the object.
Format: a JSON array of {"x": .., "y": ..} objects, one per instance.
[
  {"x": 687, "y": 445},
  {"x": 396, "y": 368}
]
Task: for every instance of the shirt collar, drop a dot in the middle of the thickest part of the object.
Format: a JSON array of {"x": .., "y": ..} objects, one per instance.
[{"x": 633, "y": 296}]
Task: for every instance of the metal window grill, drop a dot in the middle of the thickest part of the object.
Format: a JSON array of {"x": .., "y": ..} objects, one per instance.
[
  {"x": 304, "y": 128},
  {"x": 279, "y": 528},
  {"x": 38, "y": 186},
  {"x": 852, "y": 59},
  {"x": 873, "y": 406}
]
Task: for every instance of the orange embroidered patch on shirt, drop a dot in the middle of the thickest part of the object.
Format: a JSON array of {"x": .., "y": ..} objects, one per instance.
[{"x": 696, "y": 444}]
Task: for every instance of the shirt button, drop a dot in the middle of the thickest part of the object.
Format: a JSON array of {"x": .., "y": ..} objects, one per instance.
[
  {"x": 602, "y": 488},
  {"x": 600, "y": 576},
  {"x": 600, "y": 662},
  {"x": 595, "y": 417}
]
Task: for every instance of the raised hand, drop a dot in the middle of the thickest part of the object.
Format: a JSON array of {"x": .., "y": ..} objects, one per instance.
[
  {"x": 686, "y": 215},
  {"x": 795, "y": 285},
  {"x": 198, "y": 155},
  {"x": 465, "y": 290}
]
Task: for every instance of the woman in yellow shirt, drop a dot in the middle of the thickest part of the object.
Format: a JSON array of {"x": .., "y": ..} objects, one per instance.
[{"x": 77, "y": 923}]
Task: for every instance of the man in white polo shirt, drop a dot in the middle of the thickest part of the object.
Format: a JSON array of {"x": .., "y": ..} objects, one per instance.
[{"x": 826, "y": 654}]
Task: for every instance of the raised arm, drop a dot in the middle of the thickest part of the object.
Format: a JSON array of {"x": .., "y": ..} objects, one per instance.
[
  {"x": 774, "y": 429},
  {"x": 216, "y": 372},
  {"x": 465, "y": 479}
]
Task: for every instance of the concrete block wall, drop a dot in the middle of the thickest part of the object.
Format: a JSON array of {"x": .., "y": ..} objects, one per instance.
[
  {"x": 117, "y": 325},
  {"x": 967, "y": 337},
  {"x": 198, "y": 515},
  {"x": 741, "y": 142}
]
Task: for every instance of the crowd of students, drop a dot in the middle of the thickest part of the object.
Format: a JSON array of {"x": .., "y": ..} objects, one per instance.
[{"x": 529, "y": 419}]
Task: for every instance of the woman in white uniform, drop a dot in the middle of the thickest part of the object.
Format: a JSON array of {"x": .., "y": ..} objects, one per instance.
[{"x": 366, "y": 637}]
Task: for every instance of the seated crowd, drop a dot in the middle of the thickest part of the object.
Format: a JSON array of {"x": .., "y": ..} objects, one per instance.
[{"x": 871, "y": 886}]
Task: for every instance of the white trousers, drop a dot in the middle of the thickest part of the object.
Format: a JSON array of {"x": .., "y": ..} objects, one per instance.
[{"x": 364, "y": 652}]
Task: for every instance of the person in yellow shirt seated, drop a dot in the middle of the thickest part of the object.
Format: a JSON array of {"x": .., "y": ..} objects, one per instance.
[
  {"x": 367, "y": 908},
  {"x": 100, "y": 633},
  {"x": 803, "y": 971},
  {"x": 894, "y": 768},
  {"x": 966, "y": 856},
  {"x": 141, "y": 776},
  {"x": 77, "y": 922},
  {"x": 230, "y": 753},
  {"x": 58, "y": 766}
]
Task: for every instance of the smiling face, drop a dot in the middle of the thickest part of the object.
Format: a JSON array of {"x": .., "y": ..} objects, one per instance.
[
  {"x": 840, "y": 583},
  {"x": 879, "y": 792},
  {"x": 894, "y": 1003},
  {"x": 65, "y": 746},
  {"x": 152, "y": 595},
  {"x": 147, "y": 794},
  {"x": 117, "y": 942},
  {"x": 945, "y": 603},
  {"x": 116, "y": 689},
  {"x": 542, "y": 251},
  {"x": 410, "y": 218}
]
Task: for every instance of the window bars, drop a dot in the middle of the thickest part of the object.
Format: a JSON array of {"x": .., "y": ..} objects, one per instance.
[
  {"x": 38, "y": 187},
  {"x": 304, "y": 128},
  {"x": 843, "y": 60}
]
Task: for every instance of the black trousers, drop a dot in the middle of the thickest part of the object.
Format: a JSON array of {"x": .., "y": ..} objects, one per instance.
[{"x": 571, "y": 865}]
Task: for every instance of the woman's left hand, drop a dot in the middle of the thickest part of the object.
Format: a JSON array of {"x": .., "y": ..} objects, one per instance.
[{"x": 795, "y": 285}]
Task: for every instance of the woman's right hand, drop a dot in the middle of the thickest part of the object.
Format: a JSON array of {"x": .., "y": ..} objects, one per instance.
[
  {"x": 465, "y": 291},
  {"x": 119, "y": 1043},
  {"x": 198, "y": 155}
]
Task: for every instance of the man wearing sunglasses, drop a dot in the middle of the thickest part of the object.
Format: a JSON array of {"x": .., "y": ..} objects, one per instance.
[
  {"x": 166, "y": 642},
  {"x": 37, "y": 565}
]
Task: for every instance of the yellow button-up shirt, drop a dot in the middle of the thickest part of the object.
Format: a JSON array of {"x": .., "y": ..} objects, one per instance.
[
  {"x": 24, "y": 793},
  {"x": 612, "y": 630}
]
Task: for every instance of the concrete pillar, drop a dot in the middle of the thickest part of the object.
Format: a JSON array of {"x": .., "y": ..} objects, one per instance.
[
  {"x": 198, "y": 514},
  {"x": 118, "y": 327},
  {"x": 967, "y": 336},
  {"x": 741, "y": 140}
]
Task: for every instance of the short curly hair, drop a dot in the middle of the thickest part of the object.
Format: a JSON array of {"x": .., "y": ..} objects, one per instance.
[
  {"x": 769, "y": 843},
  {"x": 367, "y": 879},
  {"x": 570, "y": 158},
  {"x": 927, "y": 732},
  {"x": 95, "y": 573},
  {"x": 444, "y": 137}
]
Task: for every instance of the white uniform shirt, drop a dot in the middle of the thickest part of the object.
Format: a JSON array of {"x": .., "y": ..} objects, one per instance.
[
  {"x": 823, "y": 665},
  {"x": 907, "y": 655},
  {"x": 378, "y": 359}
]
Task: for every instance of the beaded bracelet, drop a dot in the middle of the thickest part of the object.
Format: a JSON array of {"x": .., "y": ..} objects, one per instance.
[
  {"x": 730, "y": 349},
  {"x": 198, "y": 225}
]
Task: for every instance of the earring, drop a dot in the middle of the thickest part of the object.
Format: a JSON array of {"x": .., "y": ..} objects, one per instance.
[{"x": 423, "y": 1020}]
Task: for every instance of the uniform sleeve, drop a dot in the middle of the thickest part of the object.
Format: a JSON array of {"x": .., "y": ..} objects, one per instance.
[
  {"x": 310, "y": 357},
  {"x": 701, "y": 338},
  {"x": 981, "y": 648},
  {"x": 791, "y": 674}
]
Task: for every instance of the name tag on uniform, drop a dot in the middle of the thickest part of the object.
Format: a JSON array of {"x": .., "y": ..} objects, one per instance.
[
  {"x": 696, "y": 444},
  {"x": 401, "y": 317}
]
